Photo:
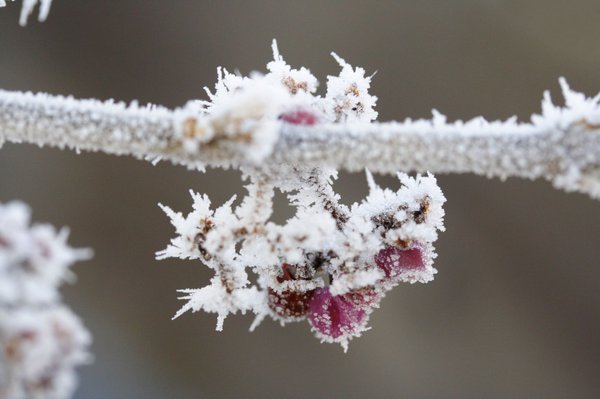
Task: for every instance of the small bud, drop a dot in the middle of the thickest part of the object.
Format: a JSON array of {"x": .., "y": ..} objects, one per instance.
[{"x": 300, "y": 117}]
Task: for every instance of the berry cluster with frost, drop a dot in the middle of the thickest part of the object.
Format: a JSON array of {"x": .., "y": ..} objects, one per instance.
[
  {"x": 329, "y": 264},
  {"x": 41, "y": 340},
  {"x": 28, "y": 7}
]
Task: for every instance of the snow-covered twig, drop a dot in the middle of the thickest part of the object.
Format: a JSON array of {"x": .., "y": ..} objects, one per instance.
[{"x": 561, "y": 144}]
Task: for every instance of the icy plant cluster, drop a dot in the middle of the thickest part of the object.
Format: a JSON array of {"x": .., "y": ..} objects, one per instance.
[
  {"x": 27, "y": 9},
  {"x": 41, "y": 340},
  {"x": 250, "y": 110},
  {"x": 330, "y": 264}
]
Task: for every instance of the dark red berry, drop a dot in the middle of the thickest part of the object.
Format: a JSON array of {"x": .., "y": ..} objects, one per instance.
[{"x": 290, "y": 305}]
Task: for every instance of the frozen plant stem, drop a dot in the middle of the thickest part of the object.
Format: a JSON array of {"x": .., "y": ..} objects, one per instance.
[{"x": 560, "y": 145}]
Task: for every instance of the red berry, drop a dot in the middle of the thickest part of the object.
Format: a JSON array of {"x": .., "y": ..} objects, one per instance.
[
  {"x": 393, "y": 261},
  {"x": 335, "y": 318},
  {"x": 406, "y": 265},
  {"x": 300, "y": 117}
]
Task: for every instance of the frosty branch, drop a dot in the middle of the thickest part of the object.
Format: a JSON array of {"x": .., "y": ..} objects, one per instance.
[{"x": 560, "y": 144}]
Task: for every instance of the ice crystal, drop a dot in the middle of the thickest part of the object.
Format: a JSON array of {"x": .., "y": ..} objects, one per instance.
[{"x": 41, "y": 341}]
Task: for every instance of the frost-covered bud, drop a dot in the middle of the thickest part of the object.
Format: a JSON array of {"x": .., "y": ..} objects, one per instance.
[
  {"x": 241, "y": 117},
  {"x": 336, "y": 318},
  {"x": 297, "y": 81},
  {"x": 348, "y": 98},
  {"x": 34, "y": 260},
  {"x": 403, "y": 264},
  {"x": 39, "y": 350}
]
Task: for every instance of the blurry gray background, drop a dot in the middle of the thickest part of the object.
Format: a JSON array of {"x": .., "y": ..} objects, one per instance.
[{"x": 513, "y": 312}]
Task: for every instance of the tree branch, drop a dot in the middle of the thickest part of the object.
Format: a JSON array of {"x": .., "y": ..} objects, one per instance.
[{"x": 561, "y": 145}]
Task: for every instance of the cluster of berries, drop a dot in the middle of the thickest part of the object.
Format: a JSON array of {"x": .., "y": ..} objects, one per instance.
[
  {"x": 330, "y": 263},
  {"x": 336, "y": 318}
]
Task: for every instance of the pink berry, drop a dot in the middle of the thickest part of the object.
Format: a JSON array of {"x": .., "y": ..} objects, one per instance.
[
  {"x": 300, "y": 117},
  {"x": 335, "y": 318}
]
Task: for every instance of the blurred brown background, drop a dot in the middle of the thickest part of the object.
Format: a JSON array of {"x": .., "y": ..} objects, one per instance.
[{"x": 513, "y": 312}]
